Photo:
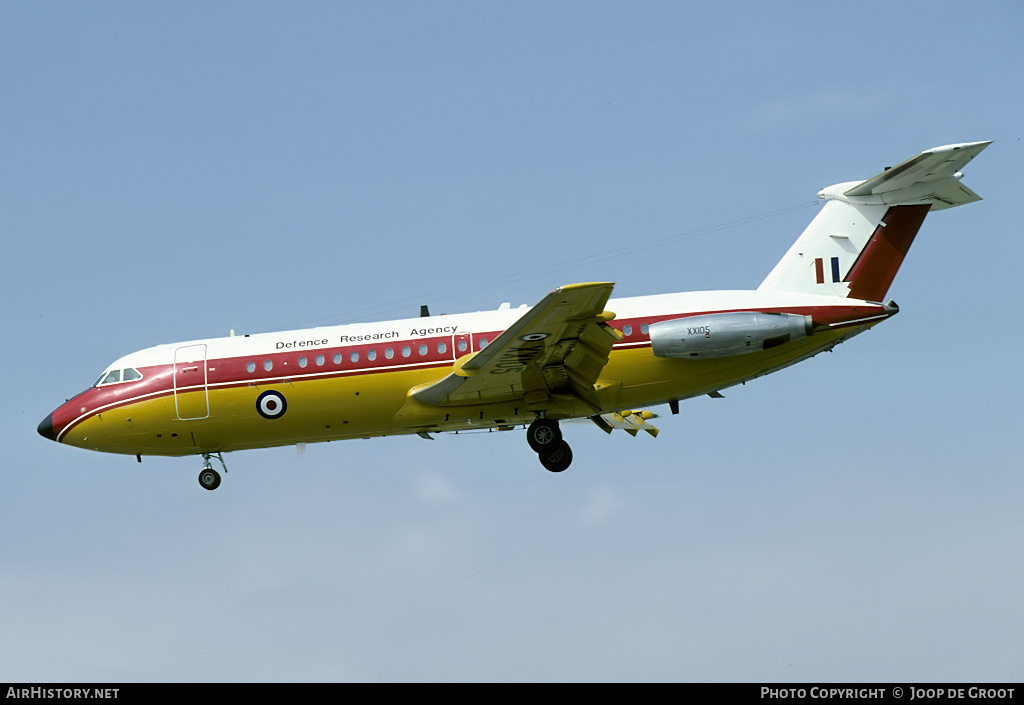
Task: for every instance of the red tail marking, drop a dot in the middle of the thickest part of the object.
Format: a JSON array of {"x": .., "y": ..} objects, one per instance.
[{"x": 876, "y": 267}]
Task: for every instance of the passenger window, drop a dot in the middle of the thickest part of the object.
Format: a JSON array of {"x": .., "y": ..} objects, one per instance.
[
  {"x": 483, "y": 343},
  {"x": 406, "y": 351},
  {"x": 372, "y": 355},
  {"x": 441, "y": 347},
  {"x": 354, "y": 357},
  {"x": 250, "y": 367},
  {"x": 643, "y": 328},
  {"x": 337, "y": 358},
  {"x": 319, "y": 360},
  {"x": 627, "y": 329},
  {"x": 302, "y": 361},
  {"x": 268, "y": 365},
  {"x": 130, "y": 375},
  {"x": 389, "y": 353},
  {"x": 462, "y": 346},
  {"x": 423, "y": 349}
]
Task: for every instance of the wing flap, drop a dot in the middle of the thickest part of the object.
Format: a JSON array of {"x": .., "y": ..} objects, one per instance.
[{"x": 558, "y": 347}]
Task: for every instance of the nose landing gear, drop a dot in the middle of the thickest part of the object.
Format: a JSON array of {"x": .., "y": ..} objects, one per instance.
[
  {"x": 545, "y": 438},
  {"x": 209, "y": 479}
]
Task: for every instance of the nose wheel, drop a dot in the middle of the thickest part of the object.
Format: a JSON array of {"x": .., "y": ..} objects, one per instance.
[
  {"x": 545, "y": 438},
  {"x": 209, "y": 479}
]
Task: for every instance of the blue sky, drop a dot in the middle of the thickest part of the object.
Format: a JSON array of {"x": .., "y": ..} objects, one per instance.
[{"x": 174, "y": 172}]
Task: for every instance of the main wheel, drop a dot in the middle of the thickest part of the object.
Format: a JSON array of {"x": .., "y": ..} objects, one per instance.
[
  {"x": 543, "y": 433},
  {"x": 209, "y": 479},
  {"x": 556, "y": 458}
]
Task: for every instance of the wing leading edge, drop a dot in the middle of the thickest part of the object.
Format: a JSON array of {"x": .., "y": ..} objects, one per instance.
[{"x": 558, "y": 347}]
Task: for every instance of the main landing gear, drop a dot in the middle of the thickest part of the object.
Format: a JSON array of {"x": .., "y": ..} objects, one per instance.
[
  {"x": 209, "y": 478},
  {"x": 545, "y": 438}
]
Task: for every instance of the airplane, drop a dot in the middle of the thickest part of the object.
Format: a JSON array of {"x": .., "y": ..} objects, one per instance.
[{"x": 576, "y": 354}]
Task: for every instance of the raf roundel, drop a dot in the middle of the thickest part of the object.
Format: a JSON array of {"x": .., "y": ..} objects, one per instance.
[
  {"x": 271, "y": 404},
  {"x": 533, "y": 337}
]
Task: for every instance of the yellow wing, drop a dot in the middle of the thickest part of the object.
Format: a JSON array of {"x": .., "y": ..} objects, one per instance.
[{"x": 558, "y": 347}]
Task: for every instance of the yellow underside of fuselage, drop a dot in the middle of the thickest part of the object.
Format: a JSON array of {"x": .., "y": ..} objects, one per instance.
[{"x": 378, "y": 404}]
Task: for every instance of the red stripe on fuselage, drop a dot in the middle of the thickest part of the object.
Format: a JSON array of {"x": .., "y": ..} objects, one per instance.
[{"x": 158, "y": 380}]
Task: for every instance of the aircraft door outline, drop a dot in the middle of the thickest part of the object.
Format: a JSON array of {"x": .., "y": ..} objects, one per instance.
[{"x": 189, "y": 372}]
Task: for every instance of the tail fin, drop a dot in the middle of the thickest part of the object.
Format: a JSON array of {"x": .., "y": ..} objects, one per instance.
[{"x": 856, "y": 244}]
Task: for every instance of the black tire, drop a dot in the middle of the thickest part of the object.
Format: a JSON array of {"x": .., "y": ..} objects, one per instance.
[
  {"x": 543, "y": 433},
  {"x": 209, "y": 479},
  {"x": 557, "y": 458}
]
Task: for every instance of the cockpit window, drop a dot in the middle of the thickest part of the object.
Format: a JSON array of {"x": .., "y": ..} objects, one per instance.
[{"x": 128, "y": 375}]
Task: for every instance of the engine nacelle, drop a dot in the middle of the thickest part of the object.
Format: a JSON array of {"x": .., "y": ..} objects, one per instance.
[{"x": 726, "y": 334}]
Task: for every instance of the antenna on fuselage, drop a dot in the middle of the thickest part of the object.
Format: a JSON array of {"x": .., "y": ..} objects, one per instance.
[{"x": 424, "y": 311}]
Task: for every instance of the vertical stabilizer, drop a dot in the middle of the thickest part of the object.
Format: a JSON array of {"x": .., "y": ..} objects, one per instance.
[{"x": 856, "y": 244}]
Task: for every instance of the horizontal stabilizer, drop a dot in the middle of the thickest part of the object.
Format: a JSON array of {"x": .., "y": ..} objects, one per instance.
[{"x": 932, "y": 177}]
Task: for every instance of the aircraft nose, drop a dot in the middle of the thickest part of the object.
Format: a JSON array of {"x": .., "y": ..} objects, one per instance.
[{"x": 46, "y": 428}]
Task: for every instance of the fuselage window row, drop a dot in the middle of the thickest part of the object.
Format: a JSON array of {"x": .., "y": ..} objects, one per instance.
[{"x": 371, "y": 355}]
